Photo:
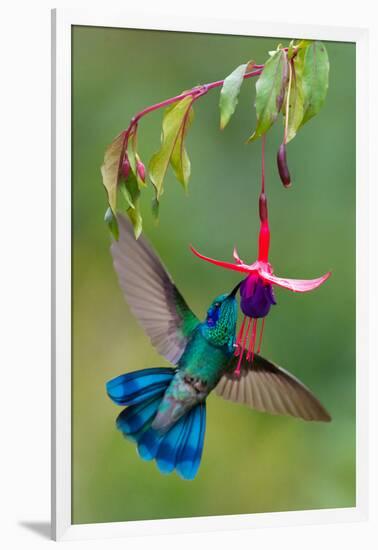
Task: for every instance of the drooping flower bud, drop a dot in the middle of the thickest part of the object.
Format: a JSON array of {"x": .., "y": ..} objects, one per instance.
[
  {"x": 282, "y": 166},
  {"x": 263, "y": 207},
  {"x": 125, "y": 169},
  {"x": 141, "y": 170}
]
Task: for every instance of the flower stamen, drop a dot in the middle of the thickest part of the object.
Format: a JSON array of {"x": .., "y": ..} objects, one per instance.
[
  {"x": 261, "y": 335},
  {"x": 250, "y": 346},
  {"x": 239, "y": 337},
  {"x": 252, "y": 342},
  {"x": 241, "y": 353}
]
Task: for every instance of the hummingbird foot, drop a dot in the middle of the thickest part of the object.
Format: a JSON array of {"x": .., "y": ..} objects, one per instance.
[{"x": 199, "y": 386}]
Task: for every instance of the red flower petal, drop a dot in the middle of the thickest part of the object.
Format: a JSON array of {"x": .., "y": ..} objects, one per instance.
[
  {"x": 296, "y": 285},
  {"x": 227, "y": 265}
]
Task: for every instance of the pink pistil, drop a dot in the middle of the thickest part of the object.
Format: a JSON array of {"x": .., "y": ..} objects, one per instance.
[
  {"x": 247, "y": 339},
  {"x": 261, "y": 335},
  {"x": 250, "y": 346},
  {"x": 241, "y": 353},
  {"x": 239, "y": 338},
  {"x": 252, "y": 342}
]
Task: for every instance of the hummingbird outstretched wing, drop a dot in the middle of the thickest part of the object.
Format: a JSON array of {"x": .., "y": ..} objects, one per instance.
[
  {"x": 265, "y": 387},
  {"x": 151, "y": 293}
]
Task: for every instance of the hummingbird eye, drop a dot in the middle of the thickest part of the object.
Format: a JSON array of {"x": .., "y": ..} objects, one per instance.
[{"x": 217, "y": 304}]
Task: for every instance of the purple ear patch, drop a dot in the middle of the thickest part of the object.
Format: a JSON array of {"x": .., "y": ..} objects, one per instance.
[{"x": 256, "y": 297}]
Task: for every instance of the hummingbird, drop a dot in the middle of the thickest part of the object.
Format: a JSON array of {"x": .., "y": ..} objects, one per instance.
[{"x": 165, "y": 408}]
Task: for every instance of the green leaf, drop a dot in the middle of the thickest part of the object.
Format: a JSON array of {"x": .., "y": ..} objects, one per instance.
[
  {"x": 136, "y": 219},
  {"x": 315, "y": 79},
  {"x": 296, "y": 105},
  {"x": 273, "y": 52},
  {"x": 290, "y": 50},
  {"x": 173, "y": 120},
  {"x": 112, "y": 223},
  {"x": 229, "y": 94},
  {"x": 130, "y": 191},
  {"x": 110, "y": 168},
  {"x": 134, "y": 212},
  {"x": 126, "y": 195},
  {"x": 155, "y": 208},
  {"x": 270, "y": 91},
  {"x": 303, "y": 44},
  {"x": 180, "y": 160}
]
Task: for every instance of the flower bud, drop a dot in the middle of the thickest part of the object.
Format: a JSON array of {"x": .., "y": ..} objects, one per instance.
[
  {"x": 263, "y": 207},
  {"x": 141, "y": 170},
  {"x": 125, "y": 169},
  {"x": 282, "y": 166}
]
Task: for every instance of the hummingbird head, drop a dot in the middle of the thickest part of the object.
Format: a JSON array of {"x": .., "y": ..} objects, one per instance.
[{"x": 220, "y": 324}]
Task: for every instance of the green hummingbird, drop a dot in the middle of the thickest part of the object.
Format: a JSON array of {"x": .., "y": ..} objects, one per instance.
[{"x": 165, "y": 408}]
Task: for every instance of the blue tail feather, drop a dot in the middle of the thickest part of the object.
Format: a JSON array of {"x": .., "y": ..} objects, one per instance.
[
  {"x": 181, "y": 446},
  {"x": 201, "y": 440},
  {"x": 166, "y": 457},
  {"x": 189, "y": 458},
  {"x": 134, "y": 418},
  {"x": 135, "y": 387},
  {"x": 148, "y": 444}
]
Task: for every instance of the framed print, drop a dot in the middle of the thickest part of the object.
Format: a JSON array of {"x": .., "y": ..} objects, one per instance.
[{"x": 209, "y": 248}]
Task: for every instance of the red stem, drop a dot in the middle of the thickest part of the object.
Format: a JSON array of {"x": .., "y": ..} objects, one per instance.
[
  {"x": 194, "y": 92},
  {"x": 263, "y": 165},
  {"x": 264, "y": 234}
]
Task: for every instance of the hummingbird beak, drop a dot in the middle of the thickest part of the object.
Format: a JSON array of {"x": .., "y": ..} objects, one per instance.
[{"x": 234, "y": 291}]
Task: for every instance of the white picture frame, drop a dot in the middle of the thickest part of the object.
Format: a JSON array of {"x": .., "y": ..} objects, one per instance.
[{"x": 62, "y": 21}]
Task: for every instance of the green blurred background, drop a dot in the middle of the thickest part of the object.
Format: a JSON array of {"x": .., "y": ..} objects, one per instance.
[{"x": 252, "y": 462}]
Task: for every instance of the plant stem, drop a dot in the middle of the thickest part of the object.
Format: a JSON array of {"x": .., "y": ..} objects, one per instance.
[
  {"x": 196, "y": 92},
  {"x": 288, "y": 102},
  {"x": 263, "y": 164},
  {"x": 264, "y": 233}
]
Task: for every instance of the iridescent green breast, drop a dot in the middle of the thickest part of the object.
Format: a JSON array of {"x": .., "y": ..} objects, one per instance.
[{"x": 203, "y": 360}]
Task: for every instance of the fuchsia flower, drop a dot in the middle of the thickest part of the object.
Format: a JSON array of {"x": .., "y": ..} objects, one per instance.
[{"x": 256, "y": 291}]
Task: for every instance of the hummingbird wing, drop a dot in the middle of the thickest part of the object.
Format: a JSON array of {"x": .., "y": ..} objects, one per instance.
[
  {"x": 151, "y": 293},
  {"x": 266, "y": 387}
]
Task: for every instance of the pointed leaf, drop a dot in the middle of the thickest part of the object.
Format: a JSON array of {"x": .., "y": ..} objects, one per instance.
[
  {"x": 180, "y": 160},
  {"x": 131, "y": 154},
  {"x": 229, "y": 94},
  {"x": 134, "y": 213},
  {"x": 110, "y": 168},
  {"x": 126, "y": 195},
  {"x": 272, "y": 52},
  {"x": 290, "y": 50},
  {"x": 136, "y": 219},
  {"x": 112, "y": 223},
  {"x": 270, "y": 92},
  {"x": 303, "y": 44},
  {"x": 296, "y": 104},
  {"x": 155, "y": 209},
  {"x": 315, "y": 79},
  {"x": 172, "y": 124}
]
